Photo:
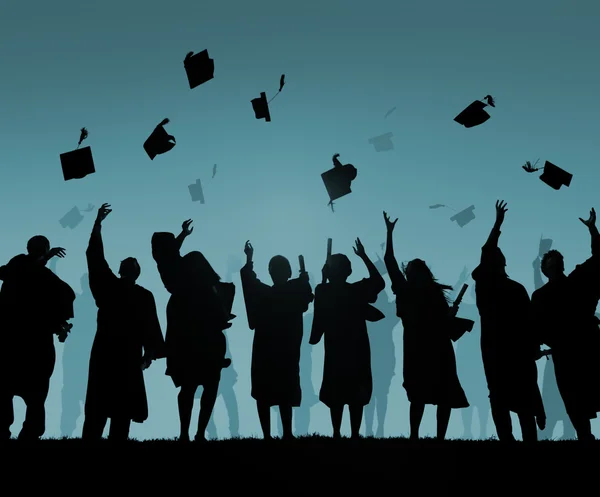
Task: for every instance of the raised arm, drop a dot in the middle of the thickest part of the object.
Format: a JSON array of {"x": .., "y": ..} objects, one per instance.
[
  {"x": 375, "y": 281},
  {"x": 492, "y": 241},
  {"x": 391, "y": 264},
  {"x": 100, "y": 274},
  {"x": 251, "y": 287},
  {"x": 594, "y": 235},
  {"x": 588, "y": 273}
]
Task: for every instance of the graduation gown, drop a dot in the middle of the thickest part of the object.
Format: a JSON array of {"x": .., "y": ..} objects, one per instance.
[
  {"x": 34, "y": 302},
  {"x": 275, "y": 314},
  {"x": 340, "y": 314},
  {"x": 508, "y": 343},
  {"x": 127, "y": 326},
  {"x": 563, "y": 313},
  {"x": 197, "y": 314}
]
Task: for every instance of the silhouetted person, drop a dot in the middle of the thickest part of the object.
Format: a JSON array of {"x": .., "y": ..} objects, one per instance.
[
  {"x": 383, "y": 364},
  {"x": 197, "y": 314},
  {"x": 35, "y": 304},
  {"x": 228, "y": 381},
  {"x": 75, "y": 359},
  {"x": 341, "y": 310},
  {"x": 553, "y": 403},
  {"x": 563, "y": 312},
  {"x": 469, "y": 367},
  {"x": 429, "y": 366},
  {"x": 275, "y": 314},
  {"x": 128, "y": 338},
  {"x": 509, "y": 346}
]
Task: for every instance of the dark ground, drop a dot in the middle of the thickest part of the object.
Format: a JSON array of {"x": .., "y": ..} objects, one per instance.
[{"x": 308, "y": 465}]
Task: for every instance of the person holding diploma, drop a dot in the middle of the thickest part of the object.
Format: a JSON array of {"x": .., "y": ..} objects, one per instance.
[
  {"x": 429, "y": 363},
  {"x": 275, "y": 314},
  {"x": 341, "y": 312}
]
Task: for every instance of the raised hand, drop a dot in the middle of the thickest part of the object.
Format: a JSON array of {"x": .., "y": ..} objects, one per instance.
[
  {"x": 248, "y": 249},
  {"x": 104, "y": 211},
  {"x": 56, "y": 252},
  {"x": 185, "y": 227},
  {"x": 388, "y": 223},
  {"x": 591, "y": 221},
  {"x": 500, "y": 211},
  {"x": 359, "y": 249}
]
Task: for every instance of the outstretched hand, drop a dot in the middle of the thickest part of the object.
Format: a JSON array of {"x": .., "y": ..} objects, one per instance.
[
  {"x": 389, "y": 224},
  {"x": 591, "y": 221},
  {"x": 500, "y": 210},
  {"x": 56, "y": 252},
  {"x": 248, "y": 249},
  {"x": 359, "y": 249},
  {"x": 185, "y": 227},
  {"x": 104, "y": 211}
]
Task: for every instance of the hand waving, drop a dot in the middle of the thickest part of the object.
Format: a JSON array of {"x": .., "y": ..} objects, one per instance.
[
  {"x": 389, "y": 224},
  {"x": 248, "y": 249},
  {"x": 500, "y": 211},
  {"x": 104, "y": 211},
  {"x": 56, "y": 252},
  {"x": 591, "y": 221},
  {"x": 359, "y": 249},
  {"x": 185, "y": 227}
]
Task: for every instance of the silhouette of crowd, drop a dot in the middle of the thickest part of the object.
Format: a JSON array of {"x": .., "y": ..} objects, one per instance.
[{"x": 35, "y": 305}]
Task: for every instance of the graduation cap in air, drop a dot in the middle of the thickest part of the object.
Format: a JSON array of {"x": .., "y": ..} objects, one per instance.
[
  {"x": 196, "y": 192},
  {"x": 555, "y": 177},
  {"x": 78, "y": 163},
  {"x": 462, "y": 218},
  {"x": 261, "y": 105},
  {"x": 389, "y": 112},
  {"x": 474, "y": 114},
  {"x": 545, "y": 245},
  {"x": 71, "y": 219},
  {"x": 159, "y": 141},
  {"x": 338, "y": 179},
  {"x": 199, "y": 68},
  {"x": 382, "y": 143}
]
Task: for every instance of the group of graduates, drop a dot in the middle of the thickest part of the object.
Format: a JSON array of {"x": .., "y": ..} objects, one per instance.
[{"x": 35, "y": 305}]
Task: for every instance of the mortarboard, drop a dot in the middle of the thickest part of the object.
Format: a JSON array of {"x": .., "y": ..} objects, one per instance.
[
  {"x": 78, "y": 163},
  {"x": 382, "y": 143},
  {"x": 261, "y": 107},
  {"x": 555, "y": 177},
  {"x": 474, "y": 114},
  {"x": 199, "y": 68},
  {"x": 545, "y": 245},
  {"x": 196, "y": 192},
  {"x": 338, "y": 179},
  {"x": 71, "y": 219},
  {"x": 464, "y": 217},
  {"x": 159, "y": 141}
]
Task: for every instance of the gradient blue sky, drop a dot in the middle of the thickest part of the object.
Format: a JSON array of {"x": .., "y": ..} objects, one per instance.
[{"x": 117, "y": 69}]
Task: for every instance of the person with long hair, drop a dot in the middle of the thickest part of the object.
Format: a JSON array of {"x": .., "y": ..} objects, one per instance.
[
  {"x": 429, "y": 363},
  {"x": 197, "y": 313}
]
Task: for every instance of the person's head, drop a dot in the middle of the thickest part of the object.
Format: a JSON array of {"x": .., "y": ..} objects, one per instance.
[
  {"x": 553, "y": 264},
  {"x": 280, "y": 269},
  {"x": 417, "y": 273},
  {"x": 339, "y": 268},
  {"x": 198, "y": 267},
  {"x": 130, "y": 269},
  {"x": 38, "y": 247}
]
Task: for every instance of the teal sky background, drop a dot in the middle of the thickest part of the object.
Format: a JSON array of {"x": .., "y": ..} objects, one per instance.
[{"x": 117, "y": 69}]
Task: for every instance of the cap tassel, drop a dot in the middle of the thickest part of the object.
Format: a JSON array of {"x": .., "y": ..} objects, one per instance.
[
  {"x": 82, "y": 136},
  {"x": 281, "y": 85}
]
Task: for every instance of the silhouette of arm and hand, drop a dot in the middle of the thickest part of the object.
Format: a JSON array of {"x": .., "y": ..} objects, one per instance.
[
  {"x": 252, "y": 288},
  {"x": 396, "y": 276}
]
